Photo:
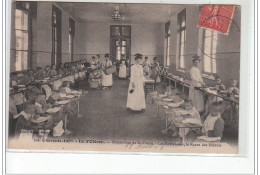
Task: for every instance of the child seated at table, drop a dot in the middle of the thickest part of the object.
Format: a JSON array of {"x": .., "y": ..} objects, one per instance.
[
  {"x": 214, "y": 124},
  {"x": 41, "y": 105},
  {"x": 24, "y": 123},
  {"x": 53, "y": 70},
  {"x": 28, "y": 78},
  {"x": 233, "y": 87},
  {"x": 212, "y": 98},
  {"x": 188, "y": 109},
  {"x": 48, "y": 71},
  {"x": 39, "y": 74}
]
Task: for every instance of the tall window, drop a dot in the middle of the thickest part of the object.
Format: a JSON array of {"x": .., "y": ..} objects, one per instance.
[
  {"x": 182, "y": 37},
  {"x": 209, "y": 50},
  {"x": 167, "y": 41},
  {"x": 56, "y": 36},
  {"x": 71, "y": 37},
  {"x": 22, "y": 36}
]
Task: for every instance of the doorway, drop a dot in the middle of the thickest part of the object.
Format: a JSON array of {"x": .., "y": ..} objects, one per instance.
[{"x": 120, "y": 45}]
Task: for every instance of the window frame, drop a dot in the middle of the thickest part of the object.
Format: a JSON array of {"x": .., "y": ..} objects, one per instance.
[
  {"x": 180, "y": 17},
  {"x": 21, "y": 6},
  {"x": 71, "y": 38},
  {"x": 56, "y": 56},
  {"x": 208, "y": 55},
  {"x": 167, "y": 43}
]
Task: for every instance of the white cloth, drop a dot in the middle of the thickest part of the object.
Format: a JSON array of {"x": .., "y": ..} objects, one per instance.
[
  {"x": 196, "y": 95},
  {"x": 26, "y": 116},
  {"x": 210, "y": 122},
  {"x": 194, "y": 113},
  {"x": 56, "y": 84},
  {"x": 136, "y": 100},
  {"x": 58, "y": 129},
  {"x": 122, "y": 71},
  {"x": 107, "y": 80},
  {"x": 19, "y": 99},
  {"x": 47, "y": 90}
]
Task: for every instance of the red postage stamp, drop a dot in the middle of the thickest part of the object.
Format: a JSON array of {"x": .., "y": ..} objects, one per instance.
[{"x": 216, "y": 17}]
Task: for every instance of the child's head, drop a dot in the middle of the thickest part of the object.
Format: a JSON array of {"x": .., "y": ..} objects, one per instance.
[
  {"x": 146, "y": 58},
  {"x": 218, "y": 79},
  {"x": 188, "y": 105},
  {"x": 39, "y": 69},
  {"x": 53, "y": 67},
  {"x": 41, "y": 98},
  {"x": 233, "y": 82},
  {"x": 66, "y": 84},
  {"x": 47, "y": 68},
  {"x": 93, "y": 58},
  {"x": 214, "y": 109},
  {"x": 29, "y": 107},
  {"x": 30, "y": 73}
]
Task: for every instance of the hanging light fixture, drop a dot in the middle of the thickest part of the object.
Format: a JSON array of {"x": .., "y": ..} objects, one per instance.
[{"x": 116, "y": 16}]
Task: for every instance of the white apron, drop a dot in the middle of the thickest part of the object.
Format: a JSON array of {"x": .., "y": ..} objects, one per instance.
[
  {"x": 196, "y": 95},
  {"x": 122, "y": 71},
  {"x": 107, "y": 80},
  {"x": 136, "y": 100}
]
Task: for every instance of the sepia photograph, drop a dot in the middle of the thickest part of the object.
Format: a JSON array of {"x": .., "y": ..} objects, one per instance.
[{"x": 124, "y": 77}]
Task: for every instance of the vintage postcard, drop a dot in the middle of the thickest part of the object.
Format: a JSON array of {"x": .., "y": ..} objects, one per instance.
[{"x": 124, "y": 77}]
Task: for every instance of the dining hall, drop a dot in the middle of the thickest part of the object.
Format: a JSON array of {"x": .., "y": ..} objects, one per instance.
[{"x": 124, "y": 71}]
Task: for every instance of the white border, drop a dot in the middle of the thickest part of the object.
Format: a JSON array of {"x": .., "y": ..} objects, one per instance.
[{"x": 147, "y": 163}]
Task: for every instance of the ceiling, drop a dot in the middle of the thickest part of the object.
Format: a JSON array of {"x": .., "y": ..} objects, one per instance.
[{"x": 89, "y": 12}]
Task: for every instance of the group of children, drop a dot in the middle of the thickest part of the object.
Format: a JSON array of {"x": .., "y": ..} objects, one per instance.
[
  {"x": 30, "y": 76},
  {"x": 212, "y": 119},
  {"x": 39, "y": 97}
]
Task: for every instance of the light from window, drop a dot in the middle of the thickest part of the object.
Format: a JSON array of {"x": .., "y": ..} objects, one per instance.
[
  {"x": 209, "y": 51},
  {"x": 71, "y": 38},
  {"x": 167, "y": 41},
  {"x": 21, "y": 36},
  {"x": 182, "y": 38}
]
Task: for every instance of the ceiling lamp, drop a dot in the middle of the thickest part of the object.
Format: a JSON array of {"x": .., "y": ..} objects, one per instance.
[{"x": 116, "y": 16}]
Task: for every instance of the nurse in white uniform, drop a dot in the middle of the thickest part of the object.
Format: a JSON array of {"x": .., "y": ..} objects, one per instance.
[
  {"x": 136, "y": 97},
  {"x": 196, "y": 81}
]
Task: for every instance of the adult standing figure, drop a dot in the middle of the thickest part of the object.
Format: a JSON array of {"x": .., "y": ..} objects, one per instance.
[
  {"x": 136, "y": 97},
  {"x": 146, "y": 67},
  {"x": 155, "y": 74},
  {"x": 196, "y": 81},
  {"x": 107, "y": 80}
]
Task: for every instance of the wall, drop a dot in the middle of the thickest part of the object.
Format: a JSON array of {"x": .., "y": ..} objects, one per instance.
[
  {"x": 95, "y": 39},
  {"x": 228, "y": 48},
  {"x": 42, "y": 36}
]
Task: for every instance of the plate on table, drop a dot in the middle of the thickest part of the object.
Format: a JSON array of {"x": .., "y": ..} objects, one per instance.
[
  {"x": 174, "y": 105},
  {"x": 21, "y": 86},
  {"x": 53, "y": 110},
  {"x": 40, "y": 119},
  {"x": 168, "y": 99},
  {"x": 69, "y": 96},
  {"x": 63, "y": 102},
  {"x": 236, "y": 96},
  {"x": 162, "y": 96}
]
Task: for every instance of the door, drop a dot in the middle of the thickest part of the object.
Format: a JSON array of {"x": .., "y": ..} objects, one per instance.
[{"x": 120, "y": 45}]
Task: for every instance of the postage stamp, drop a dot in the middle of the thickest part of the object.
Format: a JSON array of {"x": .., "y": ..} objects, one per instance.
[{"x": 216, "y": 17}]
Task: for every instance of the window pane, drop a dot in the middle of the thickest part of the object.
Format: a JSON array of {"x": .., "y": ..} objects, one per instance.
[
  {"x": 21, "y": 19},
  {"x": 115, "y": 31},
  {"x": 207, "y": 64},
  {"x": 123, "y": 50},
  {"x": 182, "y": 36},
  {"x": 182, "y": 56},
  {"x": 123, "y": 43},
  {"x": 125, "y": 31},
  {"x": 21, "y": 60},
  {"x": 21, "y": 40},
  {"x": 117, "y": 43},
  {"x": 118, "y": 53},
  {"x": 183, "y": 22},
  {"x": 214, "y": 66}
]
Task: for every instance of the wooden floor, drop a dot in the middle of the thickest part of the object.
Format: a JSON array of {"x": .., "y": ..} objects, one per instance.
[{"x": 104, "y": 116}]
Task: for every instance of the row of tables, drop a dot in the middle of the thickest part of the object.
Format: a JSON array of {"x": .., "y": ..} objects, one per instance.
[
  {"x": 234, "y": 101},
  {"x": 61, "y": 114}
]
